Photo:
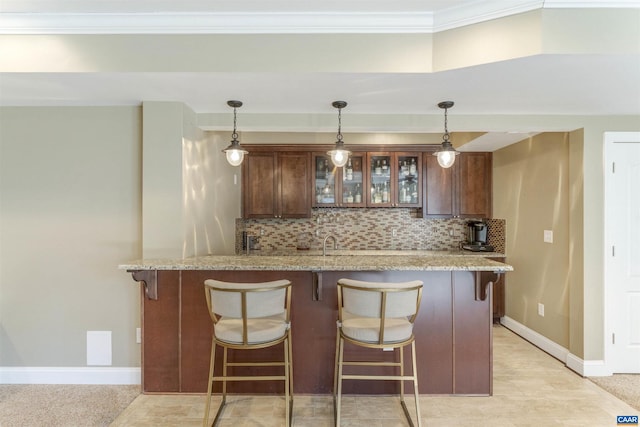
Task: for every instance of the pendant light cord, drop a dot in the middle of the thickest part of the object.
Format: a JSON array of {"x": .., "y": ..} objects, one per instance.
[
  {"x": 339, "y": 136},
  {"x": 445, "y": 137},
  {"x": 234, "y": 135}
]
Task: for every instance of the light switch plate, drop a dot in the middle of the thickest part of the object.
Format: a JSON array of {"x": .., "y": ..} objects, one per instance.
[{"x": 548, "y": 236}]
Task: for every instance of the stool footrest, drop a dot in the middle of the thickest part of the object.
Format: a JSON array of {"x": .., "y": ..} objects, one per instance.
[
  {"x": 378, "y": 377},
  {"x": 255, "y": 364},
  {"x": 371, "y": 364},
  {"x": 254, "y": 378}
]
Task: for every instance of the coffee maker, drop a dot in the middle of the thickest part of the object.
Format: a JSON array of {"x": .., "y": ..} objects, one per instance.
[{"x": 477, "y": 237}]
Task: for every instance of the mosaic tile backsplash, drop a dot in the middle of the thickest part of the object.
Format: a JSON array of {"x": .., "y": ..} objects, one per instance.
[{"x": 364, "y": 229}]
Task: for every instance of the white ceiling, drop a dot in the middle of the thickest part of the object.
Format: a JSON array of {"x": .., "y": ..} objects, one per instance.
[{"x": 544, "y": 84}]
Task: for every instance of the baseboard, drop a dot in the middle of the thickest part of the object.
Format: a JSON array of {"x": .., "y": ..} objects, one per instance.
[
  {"x": 586, "y": 368},
  {"x": 69, "y": 375},
  {"x": 594, "y": 368}
]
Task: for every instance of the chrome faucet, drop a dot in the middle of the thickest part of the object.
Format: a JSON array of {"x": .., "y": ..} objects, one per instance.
[{"x": 324, "y": 243}]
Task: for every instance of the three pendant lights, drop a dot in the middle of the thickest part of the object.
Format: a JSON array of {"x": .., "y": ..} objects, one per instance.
[{"x": 339, "y": 155}]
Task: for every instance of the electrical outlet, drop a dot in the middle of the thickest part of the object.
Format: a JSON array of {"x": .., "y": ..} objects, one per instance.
[
  {"x": 138, "y": 335},
  {"x": 394, "y": 232},
  {"x": 548, "y": 236},
  {"x": 540, "y": 309}
]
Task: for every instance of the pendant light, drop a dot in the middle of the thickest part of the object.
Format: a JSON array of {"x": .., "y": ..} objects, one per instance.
[
  {"x": 447, "y": 154},
  {"x": 235, "y": 153},
  {"x": 339, "y": 156}
]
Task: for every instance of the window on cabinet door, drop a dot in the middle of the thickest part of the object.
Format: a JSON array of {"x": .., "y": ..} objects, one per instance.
[
  {"x": 380, "y": 173},
  {"x": 353, "y": 181},
  {"x": 325, "y": 181},
  {"x": 408, "y": 180}
]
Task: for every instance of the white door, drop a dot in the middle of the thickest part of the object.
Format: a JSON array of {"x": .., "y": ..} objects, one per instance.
[{"x": 622, "y": 251}]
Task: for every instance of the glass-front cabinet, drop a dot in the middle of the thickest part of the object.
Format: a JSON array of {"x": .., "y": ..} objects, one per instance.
[
  {"x": 339, "y": 187},
  {"x": 408, "y": 179},
  {"x": 395, "y": 180},
  {"x": 380, "y": 182}
]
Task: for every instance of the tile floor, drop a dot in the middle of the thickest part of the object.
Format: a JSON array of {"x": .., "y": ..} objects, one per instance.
[{"x": 530, "y": 389}]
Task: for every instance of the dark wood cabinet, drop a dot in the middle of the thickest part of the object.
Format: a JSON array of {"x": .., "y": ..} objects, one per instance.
[
  {"x": 276, "y": 185},
  {"x": 474, "y": 185},
  {"x": 464, "y": 190},
  {"x": 395, "y": 179},
  {"x": 440, "y": 194},
  {"x": 286, "y": 181},
  {"x": 339, "y": 187}
]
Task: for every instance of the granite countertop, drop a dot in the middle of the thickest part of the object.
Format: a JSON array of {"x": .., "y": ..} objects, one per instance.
[{"x": 334, "y": 261}]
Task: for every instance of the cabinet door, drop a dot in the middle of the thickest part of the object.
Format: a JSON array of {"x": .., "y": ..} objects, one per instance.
[
  {"x": 407, "y": 189},
  {"x": 353, "y": 181},
  {"x": 324, "y": 181},
  {"x": 339, "y": 187},
  {"x": 439, "y": 194},
  {"x": 259, "y": 185},
  {"x": 294, "y": 198},
  {"x": 379, "y": 191},
  {"x": 474, "y": 185}
]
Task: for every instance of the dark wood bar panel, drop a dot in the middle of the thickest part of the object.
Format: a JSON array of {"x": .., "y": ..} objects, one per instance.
[
  {"x": 453, "y": 333},
  {"x": 161, "y": 335}
]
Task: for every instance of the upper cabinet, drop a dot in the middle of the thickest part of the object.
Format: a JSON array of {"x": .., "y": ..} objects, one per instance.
[
  {"x": 440, "y": 189},
  {"x": 395, "y": 179},
  {"x": 276, "y": 185},
  {"x": 464, "y": 190},
  {"x": 474, "y": 185},
  {"x": 287, "y": 181},
  {"x": 338, "y": 187}
]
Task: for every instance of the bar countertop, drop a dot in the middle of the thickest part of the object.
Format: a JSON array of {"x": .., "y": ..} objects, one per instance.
[{"x": 359, "y": 260}]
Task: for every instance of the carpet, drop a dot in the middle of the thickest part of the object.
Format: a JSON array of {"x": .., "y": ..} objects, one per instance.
[
  {"x": 23, "y": 405},
  {"x": 625, "y": 387}
]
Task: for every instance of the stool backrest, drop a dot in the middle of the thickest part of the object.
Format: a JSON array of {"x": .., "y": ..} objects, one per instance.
[
  {"x": 369, "y": 299},
  {"x": 247, "y": 300}
]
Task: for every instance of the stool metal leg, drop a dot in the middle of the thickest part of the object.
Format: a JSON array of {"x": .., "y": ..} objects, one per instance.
[
  {"x": 415, "y": 382},
  {"x": 205, "y": 421},
  {"x": 401, "y": 373},
  {"x": 286, "y": 382},
  {"x": 339, "y": 396}
]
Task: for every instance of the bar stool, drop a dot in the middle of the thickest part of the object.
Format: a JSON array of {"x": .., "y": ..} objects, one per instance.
[
  {"x": 249, "y": 316},
  {"x": 377, "y": 316}
]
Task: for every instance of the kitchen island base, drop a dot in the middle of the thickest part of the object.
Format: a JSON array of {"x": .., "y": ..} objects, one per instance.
[{"x": 453, "y": 332}]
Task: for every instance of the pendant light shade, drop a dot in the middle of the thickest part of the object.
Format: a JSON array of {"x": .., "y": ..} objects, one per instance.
[
  {"x": 447, "y": 154},
  {"x": 339, "y": 156},
  {"x": 235, "y": 153}
]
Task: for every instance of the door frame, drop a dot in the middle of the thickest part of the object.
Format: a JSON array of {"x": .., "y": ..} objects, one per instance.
[{"x": 610, "y": 138}]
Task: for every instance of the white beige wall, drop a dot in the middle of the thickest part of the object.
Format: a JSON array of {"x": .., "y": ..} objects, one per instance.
[
  {"x": 211, "y": 196},
  {"x": 70, "y": 200},
  {"x": 190, "y": 198},
  {"x": 530, "y": 191},
  {"x": 71, "y": 211}
]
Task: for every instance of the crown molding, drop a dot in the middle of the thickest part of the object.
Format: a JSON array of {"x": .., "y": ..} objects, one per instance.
[
  {"x": 215, "y": 23},
  {"x": 475, "y": 13},
  {"x": 298, "y": 22},
  {"x": 587, "y": 4}
]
